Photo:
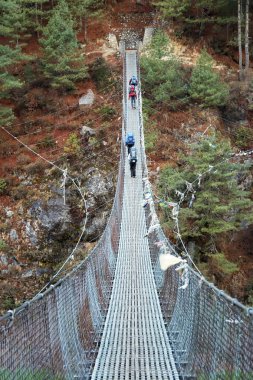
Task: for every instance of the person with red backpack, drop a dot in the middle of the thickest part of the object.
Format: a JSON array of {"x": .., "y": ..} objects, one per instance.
[{"x": 132, "y": 96}]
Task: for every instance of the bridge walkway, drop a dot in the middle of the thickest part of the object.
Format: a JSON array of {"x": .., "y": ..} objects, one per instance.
[{"x": 134, "y": 344}]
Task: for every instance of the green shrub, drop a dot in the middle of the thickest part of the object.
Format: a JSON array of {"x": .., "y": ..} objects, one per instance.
[
  {"x": 27, "y": 374},
  {"x": 72, "y": 144},
  {"x": 8, "y": 304},
  {"x": 227, "y": 375},
  {"x": 244, "y": 137},
  {"x": 6, "y": 116},
  {"x": 47, "y": 142},
  {"x": 3, "y": 245},
  {"x": 147, "y": 109},
  {"x": 93, "y": 141},
  {"x": 101, "y": 73},
  {"x": 151, "y": 134},
  {"x": 38, "y": 167},
  {"x": 205, "y": 84},
  {"x": 151, "y": 138},
  {"x": 3, "y": 186},
  {"x": 223, "y": 264},
  {"x": 107, "y": 112},
  {"x": 19, "y": 192}
]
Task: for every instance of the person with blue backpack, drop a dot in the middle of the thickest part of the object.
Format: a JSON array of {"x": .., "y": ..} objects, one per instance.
[
  {"x": 130, "y": 141},
  {"x": 133, "y": 81}
]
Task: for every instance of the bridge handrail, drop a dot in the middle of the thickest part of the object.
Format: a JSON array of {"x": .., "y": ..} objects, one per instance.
[
  {"x": 182, "y": 309},
  {"x": 44, "y": 334}
]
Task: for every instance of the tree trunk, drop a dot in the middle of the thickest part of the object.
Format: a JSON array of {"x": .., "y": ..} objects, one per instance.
[
  {"x": 37, "y": 19},
  {"x": 240, "y": 38},
  {"x": 247, "y": 39},
  {"x": 85, "y": 28}
]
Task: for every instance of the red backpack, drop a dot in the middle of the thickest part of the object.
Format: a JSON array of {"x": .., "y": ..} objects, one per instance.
[{"x": 132, "y": 91}]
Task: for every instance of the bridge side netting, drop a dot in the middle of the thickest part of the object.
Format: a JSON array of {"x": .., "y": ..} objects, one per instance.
[
  {"x": 211, "y": 333},
  {"x": 56, "y": 336}
]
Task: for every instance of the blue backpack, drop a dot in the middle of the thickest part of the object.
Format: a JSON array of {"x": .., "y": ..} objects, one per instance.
[
  {"x": 134, "y": 81},
  {"x": 130, "y": 139}
]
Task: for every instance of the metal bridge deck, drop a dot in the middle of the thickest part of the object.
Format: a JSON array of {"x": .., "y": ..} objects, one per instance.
[{"x": 134, "y": 344}]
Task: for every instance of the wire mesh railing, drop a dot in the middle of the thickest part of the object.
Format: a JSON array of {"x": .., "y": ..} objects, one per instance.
[
  {"x": 211, "y": 333},
  {"x": 57, "y": 334}
]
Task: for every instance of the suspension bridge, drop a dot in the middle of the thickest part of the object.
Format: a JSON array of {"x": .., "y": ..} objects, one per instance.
[{"x": 117, "y": 315}]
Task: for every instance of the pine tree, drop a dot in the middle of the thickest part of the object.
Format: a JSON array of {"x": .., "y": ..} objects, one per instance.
[
  {"x": 195, "y": 9},
  {"x": 35, "y": 14},
  {"x": 211, "y": 5},
  {"x": 159, "y": 46},
  {"x": 205, "y": 84},
  {"x": 82, "y": 9},
  {"x": 220, "y": 204},
  {"x": 62, "y": 62},
  {"x": 12, "y": 20},
  {"x": 173, "y": 8},
  {"x": 8, "y": 82},
  {"x": 162, "y": 78}
]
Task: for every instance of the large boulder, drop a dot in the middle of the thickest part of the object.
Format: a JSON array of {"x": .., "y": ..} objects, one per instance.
[
  {"x": 53, "y": 215},
  {"x": 87, "y": 99},
  {"x": 99, "y": 194},
  {"x": 96, "y": 226},
  {"x": 98, "y": 187},
  {"x": 87, "y": 131}
]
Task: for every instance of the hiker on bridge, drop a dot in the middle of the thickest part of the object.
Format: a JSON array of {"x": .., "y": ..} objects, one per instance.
[
  {"x": 133, "y": 81},
  {"x": 132, "y": 157},
  {"x": 133, "y": 96},
  {"x": 130, "y": 141}
]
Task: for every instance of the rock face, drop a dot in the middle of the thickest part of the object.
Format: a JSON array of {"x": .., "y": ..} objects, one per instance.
[
  {"x": 100, "y": 191},
  {"x": 48, "y": 230},
  {"x": 54, "y": 216},
  {"x": 13, "y": 235},
  {"x": 53, "y": 227},
  {"x": 148, "y": 34},
  {"x": 112, "y": 41},
  {"x": 98, "y": 188},
  {"x": 87, "y": 131},
  {"x": 31, "y": 233},
  {"x": 9, "y": 213},
  {"x": 96, "y": 226},
  {"x": 87, "y": 99}
]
